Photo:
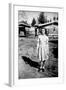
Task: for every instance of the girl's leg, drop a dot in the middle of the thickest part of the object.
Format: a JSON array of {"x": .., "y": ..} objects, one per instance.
[
  {"x": 40, "y": 68},
  {"x": 43, "y": 66}
]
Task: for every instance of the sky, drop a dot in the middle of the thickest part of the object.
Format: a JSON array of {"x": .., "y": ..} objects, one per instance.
[{"x": 29, "y": 15}]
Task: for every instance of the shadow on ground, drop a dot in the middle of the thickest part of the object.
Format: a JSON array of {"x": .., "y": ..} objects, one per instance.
[{"x": 27, "y": 60}]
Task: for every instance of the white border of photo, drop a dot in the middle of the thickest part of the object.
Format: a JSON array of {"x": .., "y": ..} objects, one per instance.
[{"x": 13, "y": 76}]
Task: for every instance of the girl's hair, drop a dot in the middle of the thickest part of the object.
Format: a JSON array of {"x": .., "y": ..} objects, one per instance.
[{"x": 45, "y": 31}]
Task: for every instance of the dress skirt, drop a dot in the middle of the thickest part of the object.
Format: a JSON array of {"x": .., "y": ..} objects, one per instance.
[{"x": 43, "y": 52}]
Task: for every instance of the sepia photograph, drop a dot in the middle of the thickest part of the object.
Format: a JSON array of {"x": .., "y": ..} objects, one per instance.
[{"x": 37, "y": 44}]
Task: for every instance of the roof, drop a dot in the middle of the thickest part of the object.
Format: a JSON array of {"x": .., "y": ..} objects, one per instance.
[
  {"x": 46, "y": 24},
  {"x": 24, "y": 24}
]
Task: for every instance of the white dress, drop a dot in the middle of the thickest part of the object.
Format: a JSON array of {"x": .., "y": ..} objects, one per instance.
[{"x": 43, "y": 47}]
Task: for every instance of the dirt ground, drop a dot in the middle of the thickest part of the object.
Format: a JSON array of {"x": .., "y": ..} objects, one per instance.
[{"x": 28, "y": 61}]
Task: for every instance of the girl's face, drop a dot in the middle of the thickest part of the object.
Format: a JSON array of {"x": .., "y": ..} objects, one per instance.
[{"x": 43, "y": 31}]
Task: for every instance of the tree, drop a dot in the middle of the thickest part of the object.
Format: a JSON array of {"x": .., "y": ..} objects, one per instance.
[
  {"x": 33, "y": 22},
  {"x": 42, "y": 19},
  {"x": 54, "y": 18},
  {"x": 57, "y": 18},
  {"x": 22, "y": 16},
  {"x": 50, "y": 20},
  {"x": 24, "y": 22}
]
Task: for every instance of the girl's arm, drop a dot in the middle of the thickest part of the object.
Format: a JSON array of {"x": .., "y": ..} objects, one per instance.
[
  {"x": 47, "y": 40},
  {"x": 38, "y": 42},
  {"x": 47, "y": 45}
]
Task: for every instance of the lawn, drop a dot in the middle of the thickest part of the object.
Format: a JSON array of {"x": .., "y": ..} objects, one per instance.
[{"x": 28, "y": 61}]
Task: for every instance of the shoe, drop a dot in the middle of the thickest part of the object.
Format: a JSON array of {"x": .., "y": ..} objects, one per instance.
[
  {"x": 38, "y": 70},
  {"x": 43, "y": 70},
  {"x": 43, "y": 67}
]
